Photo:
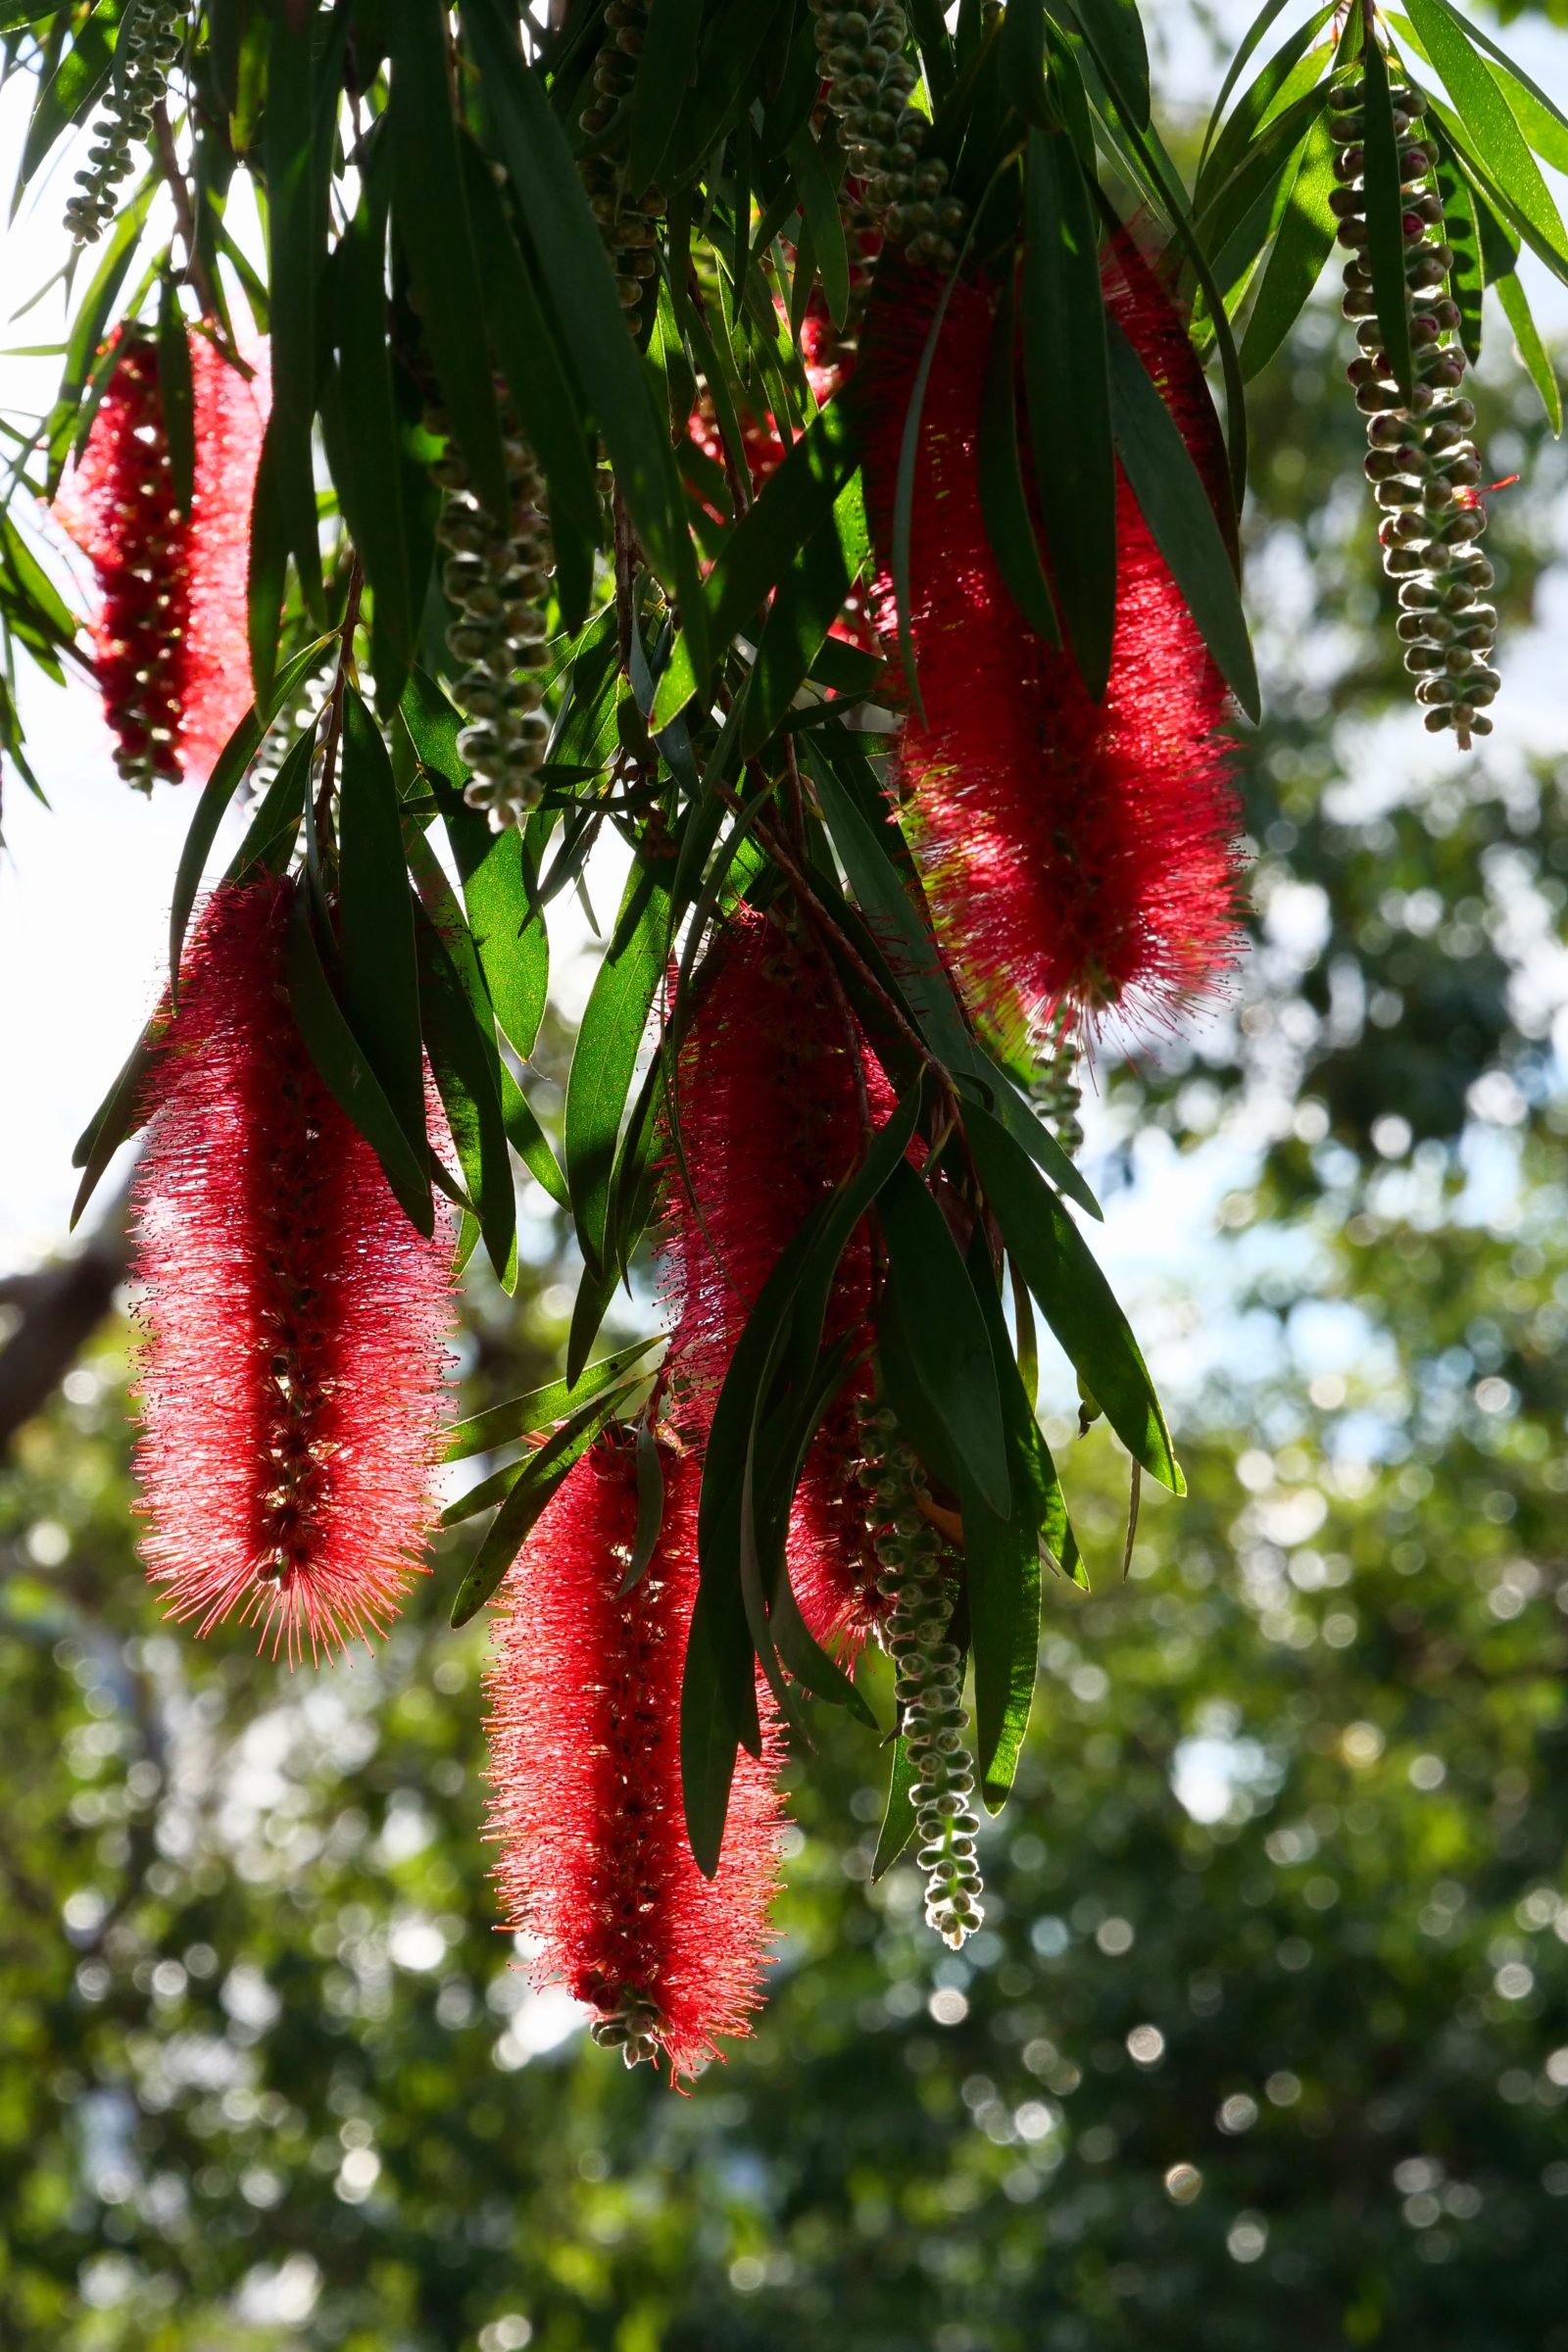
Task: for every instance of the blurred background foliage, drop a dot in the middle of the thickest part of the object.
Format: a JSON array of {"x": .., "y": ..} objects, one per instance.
[{"x": 1266, "y": 2036}]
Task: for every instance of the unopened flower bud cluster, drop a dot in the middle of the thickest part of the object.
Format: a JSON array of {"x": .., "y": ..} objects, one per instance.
[
  {"x": 1422, "y": 462},
  {"x": 498, "y": 575},
  {"x": 626, "y": 223},
  {"x": 916, "y": 1582},
  {"x": 150, "y": 40},
  {"x": 869, "y": 86}
]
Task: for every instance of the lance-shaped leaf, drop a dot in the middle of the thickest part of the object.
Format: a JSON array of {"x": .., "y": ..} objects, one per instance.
[
  {"x": 365, "y": 436},
  {"x": 1483, "y": 105},
  {"x": 522, "y": 1416},
  {"x": 1069, "y": 398},
  {"x": 430, "y": 216},
  {"x": 345, "y": 1070},
  {"x": 376, "y": 914},
  {"x": 1303, "y": 246},
  {"x": 606, "y": 1054},
  {"x": 533, "y": 1486},
  {"x": 1385, "y": 217},
  {"x": 1074, "y": 1297},
  {"x": 808, "y": 601},
  {"x": 948, "y": 1334},
  {"x": 176, "y": 395},
  {"x": 664, "y": 74},
  {"x": 1176, "y": 506},
  {"x": 298, "y": 153},
  {"x": 1004, "y": 499},
  {"x": 468, "y": 1075},
  {"x": 1115, "y": 34}
]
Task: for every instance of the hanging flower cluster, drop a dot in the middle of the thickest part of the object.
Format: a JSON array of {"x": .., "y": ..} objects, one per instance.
[
  {"x": 290, "y": 1377},
  {"x": 1080, "y": 856},
  {"x": 584, "y": 1727},
  {"x": 172, "y": 664},
  {"x": 1422, "y": 464}
]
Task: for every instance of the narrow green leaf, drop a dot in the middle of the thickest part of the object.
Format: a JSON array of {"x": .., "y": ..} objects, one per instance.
[
  {"x": 430, "y": 218},
  {"x": 606, "y": 1054},
  {"x": 364, "y": 432},
  {"x": 650, "y": 1510},
  {"x": 175, "y": 393},
  {"x": 1461, "y": 233},
  {"x": 1532, "y": 350},
  {"x": 1070, "y": 408},
  {"x": 467, "y": 1073},
  {"x": 219, "y": 789},
  {"x": 898, "y": 1816},
  {"x": 529, "y": 1141},
  {"x": 571, "y": 259},
  {"x": 911, "y": 950},
  {"x": 507, "y": 923},
  {"x": 1482, "y": 102},
  {"x": 949, "y": 1337},
  {"x": 795, "y": 501},
  {"x": 1385, "y": 217},
  {"x": 664, "y": 72},
  {"x": 1001, "y": 1560},
  {"x": 1021, "y": 55},
  {"x": 522, "y": 1416},
  {"x": 1115, "y": 34},
  {"x": 808, "y": 601},
  {"x": 1303, "y": 246},
  {"x": 540, "y": 1476},
  {"x": 1003, "y": 499},
  {"x": 1074, "y": 1297},
  {"x": 267, "y": 564},
  {"x": 1176, "y": 506},
  {"x": 1276, "y": 86},
  {"x": 380, "y": 974},
  {"x": 818, "y": 191},
  {"x": 548, "y": 409},
  {"x": 346, "y": 1072},
  {"x": 297, "y": 171}
]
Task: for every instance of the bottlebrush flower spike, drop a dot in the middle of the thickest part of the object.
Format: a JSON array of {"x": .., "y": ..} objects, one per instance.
[
  {"x": 1079, "y": 856},
  {"x": 584, "y": 1729},
  {"x": 173, "y": 660},
  {"x": 771, "y": 1121},
  {"x": 290, "y": 1373}
]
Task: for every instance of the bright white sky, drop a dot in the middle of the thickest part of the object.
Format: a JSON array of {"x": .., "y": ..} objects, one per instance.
[{"x": 84, "y": 886}]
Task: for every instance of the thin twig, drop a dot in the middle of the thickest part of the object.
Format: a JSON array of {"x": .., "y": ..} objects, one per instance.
[{"x": 184, "y": 210}]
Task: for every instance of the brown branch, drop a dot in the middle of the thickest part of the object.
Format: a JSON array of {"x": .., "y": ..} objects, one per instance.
[
  {"x": 61, "y": 1306},
  {"x": 184, "y": 210}
]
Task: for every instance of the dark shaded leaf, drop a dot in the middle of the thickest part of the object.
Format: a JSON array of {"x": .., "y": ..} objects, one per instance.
[
  {"x": 1070, "y": 408},
  {"x": 1074, "y": 1297},
  {"x": 176, "y": 397},
  {"x": 467, "y": 1076},
  {"x": 376, "y": 914},
  {"x": 951, "y": 1345},
  {"x": 607, "y": 1041},
  {"x": 1004, "y": 499},
  {"x": 297, "y": 150},
  {"x": 536, "y": 1483},
  {"x": 1303, "y": 246},
  {"x": 650, "y": 1509},
  {"x": 898, "y": 1816},
  {"x": 1385, "y": 217},
  {"x": 522, "y": 1416}
]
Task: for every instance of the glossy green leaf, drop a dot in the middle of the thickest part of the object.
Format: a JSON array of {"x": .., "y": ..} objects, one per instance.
[
  {"x": 796, "y": 501},
  {"x": 948, "y": 1333},
  {"x": 1274, "y": 88},
  {"x": 1115, "y": 34},
  {"x": 1003, "y": 499},
  {"x": 376, "y": 916},
  {"x": 1461, "y": 233},
  {"x": 536, "y": 1483},
  {"x": 1483, "y": 104},
  {"x": 808, "y": 601},
  {"x": 364, "y": 434},
  {"x": 297, "y": 158},
  {"x": 265, "y": 567},
  {"x": 911, "y": 950},
  {"x": 522, "y": 1416},
  {"x": 571, "y": 259},
  {"x": 817, "y": 187},
  {"x": 898, "y": 1816},
  {"x": 1532, "y": 348},
  {"x": 529, "y": 1141},
  {"x": 605, "y": 1058},
  {"x": 345, "y": 1069},
  {"x": 650, "y": 1510},
  {"x": 431, "y": 220},
  {"x": 1176, "y": 506},
  {"x": 1385, "y": 216},
  {"x": 1074, "y": 1297},
  {"x": 176, "y": 395},
  {"x": 548, "y": 407},
  {"x": 467, "y": 1076},
  {"x": 219, "y": 789},
  {"x": 1302, "y": 247},
  {"x": 1070, "y": 408}
]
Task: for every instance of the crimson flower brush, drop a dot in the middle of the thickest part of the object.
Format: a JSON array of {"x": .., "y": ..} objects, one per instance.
[
  {"x": 290, "y": 1368},
  {"x": 1080, "y": 856},
  {"x": 584, "y": 1731},
  {"x": 772, "y": 1118},
  {"x": 172, "y": 657}
]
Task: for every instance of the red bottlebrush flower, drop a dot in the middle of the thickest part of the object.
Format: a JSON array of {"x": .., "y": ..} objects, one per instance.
[
  {"x": 290, "y": 1373},
  {"x": 584, "y": 1728},
  {"x": 1079, "y": 856},
  {"x": 771, "y": 1121},
  {"x": 173, "y": 662}
]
